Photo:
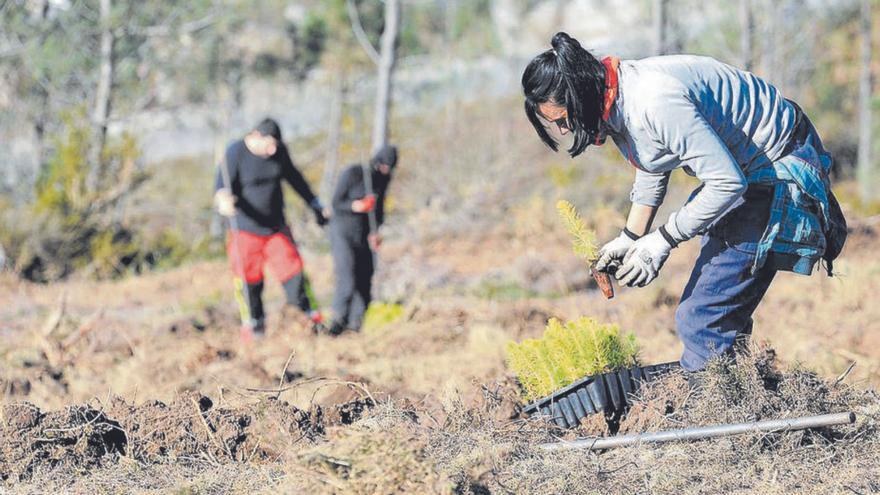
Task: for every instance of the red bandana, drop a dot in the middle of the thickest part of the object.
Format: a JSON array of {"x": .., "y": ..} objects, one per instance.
[{"x": 611, "y": 64}]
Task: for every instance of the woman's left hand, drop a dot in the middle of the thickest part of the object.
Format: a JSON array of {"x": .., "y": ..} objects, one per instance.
[
  {"x": 643, "y": 261},
  {"x": 375, "y": 241}
]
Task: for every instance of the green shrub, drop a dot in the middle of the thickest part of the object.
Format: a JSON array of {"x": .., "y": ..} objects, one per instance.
[
  {"x": 381, "y": 314},
  {"x": 110, "y": 251},
  {"x": 568, "y": 352},
  {"x": 71, "y": 225}
]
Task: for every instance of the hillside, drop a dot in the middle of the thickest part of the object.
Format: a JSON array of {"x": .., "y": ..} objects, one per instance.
[{"x": 158, "y": 336}]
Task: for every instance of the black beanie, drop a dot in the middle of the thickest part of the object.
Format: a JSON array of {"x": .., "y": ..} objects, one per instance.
[
  {"x": 386, "y": 155},
  {"x": 269, "y": 127}
]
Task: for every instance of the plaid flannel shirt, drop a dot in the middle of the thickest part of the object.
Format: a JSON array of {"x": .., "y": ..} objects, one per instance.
[{"x": 794, "y": 239}]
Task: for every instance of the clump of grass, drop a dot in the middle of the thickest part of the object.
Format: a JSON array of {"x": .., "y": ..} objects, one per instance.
[
  {"x": 381, "y": 314},
  {"x": 567, "y": 352},
  {"x": 583, "y": 241}
]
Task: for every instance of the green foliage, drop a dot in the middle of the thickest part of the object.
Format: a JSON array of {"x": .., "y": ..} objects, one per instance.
[
  {"x": 568, "y": 352},
  {"x": 61, "y": 189},
  {"x": 381, "y": 314},
  {"x": 342, "y": 50},
  {"x": 583, "y": 239},
  {"x": 71, "y": 226},
  {"x": 462, "y": 28},
  {"x": 171, "y": 249},
  {"x": 311, "y": 40},
  {"x": 110, "y": 251}
]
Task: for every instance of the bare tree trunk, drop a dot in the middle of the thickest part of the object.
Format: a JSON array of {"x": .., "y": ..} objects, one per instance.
[
  {"x": 3, "y": 258},
  {"x": 866, "y": 174},
  {"x": 449, "y": 121},
  {"x": 660, "y": 13},
  {"x": 387, "y": 60},
  {"x": 747, "y": 29},
  {"x": 334, "y": 135},
  {"x": 41, "y": 119},
  {"x": 103, "y": 96}
]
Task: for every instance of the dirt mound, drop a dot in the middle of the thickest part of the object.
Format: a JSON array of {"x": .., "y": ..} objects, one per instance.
[
  {"x": 823, "y": 460},
  {"x": 191, "y": 428},
  {"x": 479, "y": 449},
  {"x": 348, "y": 401},
  {"x": 77, "y": 438},
  {"x": 349, "y": 412},
  {"x": 471, "y": 446}
]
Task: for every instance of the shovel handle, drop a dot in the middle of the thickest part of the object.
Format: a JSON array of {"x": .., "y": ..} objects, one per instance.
[{"x": 603, "y": 280}]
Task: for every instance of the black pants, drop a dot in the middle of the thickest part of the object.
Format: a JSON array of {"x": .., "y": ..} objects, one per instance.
[
  {"x": 297, "y": 292},
  {"x": 353, "y": 266}
]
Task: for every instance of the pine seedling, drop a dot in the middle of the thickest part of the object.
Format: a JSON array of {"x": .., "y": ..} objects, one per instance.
[
  {"x": 568, "y": 352},
  {"x": 520, "y": 357},
  {"x": 583, "y": 240}
]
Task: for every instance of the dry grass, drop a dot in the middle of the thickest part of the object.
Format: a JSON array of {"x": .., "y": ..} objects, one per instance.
[
  {"x": 158, "y": 336},
  {"x": 468, "y": 447},
  {"x": 442, "y": 347}
]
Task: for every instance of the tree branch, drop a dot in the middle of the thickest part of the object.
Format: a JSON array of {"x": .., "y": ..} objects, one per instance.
[{"x": 359, "y": 33}]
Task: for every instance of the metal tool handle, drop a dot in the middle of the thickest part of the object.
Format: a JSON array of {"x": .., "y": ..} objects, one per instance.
[{"x": 688, "y": 434}]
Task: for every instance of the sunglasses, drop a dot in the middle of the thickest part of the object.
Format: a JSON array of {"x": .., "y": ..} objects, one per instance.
[
  {"x": 593, "y": 137},
  {"x": 562, "y": 123}
]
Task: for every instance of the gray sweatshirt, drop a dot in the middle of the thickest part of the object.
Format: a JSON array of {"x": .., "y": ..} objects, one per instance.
[{"x": 695, "y": 112}]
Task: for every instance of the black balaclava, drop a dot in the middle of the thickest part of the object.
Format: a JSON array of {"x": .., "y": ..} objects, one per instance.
[{"x": 386, "y": 155}]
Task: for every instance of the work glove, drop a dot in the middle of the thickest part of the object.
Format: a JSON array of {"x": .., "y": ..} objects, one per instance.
[
  {"x": 364, "y": 205},
  {"x": 615, "y": 250},
  {"x": 643, "y": 260},
  {"x": 225, "y": 202}
]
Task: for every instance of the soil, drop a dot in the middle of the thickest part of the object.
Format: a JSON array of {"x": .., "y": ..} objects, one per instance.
[
  {"x": 438, "y": 411},
  {"x": 189, "y": 429},
  {"x": 75, "y": 439}
]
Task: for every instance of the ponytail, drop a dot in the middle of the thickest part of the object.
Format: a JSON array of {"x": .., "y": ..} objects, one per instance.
[{"x": 567, "y": 75}]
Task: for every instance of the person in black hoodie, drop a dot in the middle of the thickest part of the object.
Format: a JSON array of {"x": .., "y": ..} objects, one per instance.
[
  {"x": 248, "y": 191},
  {"x": 352, "y": 238}
]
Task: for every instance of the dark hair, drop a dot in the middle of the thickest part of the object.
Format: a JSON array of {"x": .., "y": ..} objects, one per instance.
[
  {"x": 570, "y": 76},
  {"x": 387, "y": 155},
  {"x": 269, "y": 127}
]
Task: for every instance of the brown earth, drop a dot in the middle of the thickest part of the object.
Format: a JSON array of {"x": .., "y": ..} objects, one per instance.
[
  {"x": 189, "y": 429},
  {"x": 424, "y": 404}
]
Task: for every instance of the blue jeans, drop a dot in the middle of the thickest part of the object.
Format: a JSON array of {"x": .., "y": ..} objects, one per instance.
[{"x": 715, "y": 311}]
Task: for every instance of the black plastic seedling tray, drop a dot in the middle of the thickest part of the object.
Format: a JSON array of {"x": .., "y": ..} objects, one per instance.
[{"x": 608, "y": 393}]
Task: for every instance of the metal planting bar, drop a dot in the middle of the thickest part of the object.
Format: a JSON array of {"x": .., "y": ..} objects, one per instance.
[{"x": 703, "y": 432}]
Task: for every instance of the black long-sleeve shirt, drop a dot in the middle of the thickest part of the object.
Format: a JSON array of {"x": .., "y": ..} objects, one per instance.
[
  {"x": 351, "y": 187},
  {"x": 256, "y": 183}
]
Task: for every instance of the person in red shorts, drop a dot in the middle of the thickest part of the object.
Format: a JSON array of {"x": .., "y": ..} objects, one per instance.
[{"x": 248, "y": 192}]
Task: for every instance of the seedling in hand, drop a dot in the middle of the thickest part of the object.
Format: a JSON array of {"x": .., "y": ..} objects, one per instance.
[{"x": 584, "y": 245}]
